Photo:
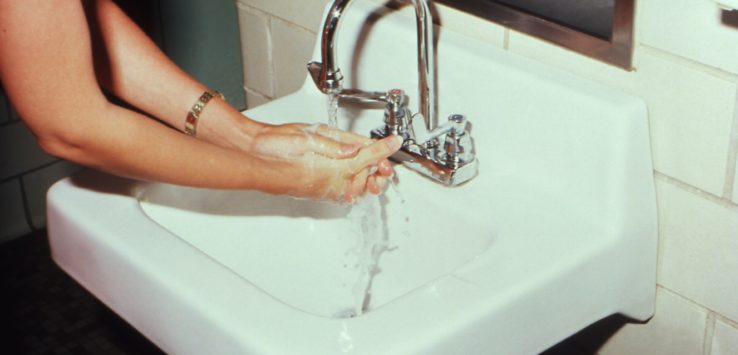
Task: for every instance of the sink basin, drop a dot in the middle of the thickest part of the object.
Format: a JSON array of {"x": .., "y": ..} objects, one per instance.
[
  {"x": 310, "y": 255},
  {"x": 557, "y": 231}
]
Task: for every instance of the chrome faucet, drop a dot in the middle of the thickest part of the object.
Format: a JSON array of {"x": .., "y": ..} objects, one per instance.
[{"x": 451, "y": 162}]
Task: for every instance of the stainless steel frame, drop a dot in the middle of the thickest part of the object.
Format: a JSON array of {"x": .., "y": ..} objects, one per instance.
[{"x": 616, "y": 51}]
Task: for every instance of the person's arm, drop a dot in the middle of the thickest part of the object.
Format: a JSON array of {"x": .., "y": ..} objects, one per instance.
[
  {"x": 131, "y": 66},
  {"x": 46, "y": 67},
  {"x": 125, "y": 60}
]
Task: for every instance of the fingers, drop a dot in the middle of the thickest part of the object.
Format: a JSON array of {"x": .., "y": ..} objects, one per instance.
[
  {"x": 375, "y": 153},
  {"x": 356, "y": 186},
  {"x": 384, "y": 168}
]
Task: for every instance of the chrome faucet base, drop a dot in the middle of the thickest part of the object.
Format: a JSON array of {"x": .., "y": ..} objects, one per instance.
[{"x": 412, "y": 157}]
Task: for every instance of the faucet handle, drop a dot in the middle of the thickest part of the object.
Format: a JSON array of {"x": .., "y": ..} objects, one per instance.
[
  {"x": 396, "y": 115},
  {"x": 458, "y": 147}
]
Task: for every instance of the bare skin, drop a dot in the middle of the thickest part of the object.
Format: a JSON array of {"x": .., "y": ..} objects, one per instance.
[{"x": 55, "y": 81}]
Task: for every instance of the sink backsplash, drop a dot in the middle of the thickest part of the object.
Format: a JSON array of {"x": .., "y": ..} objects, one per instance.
[{"x": 686, "y": 72}]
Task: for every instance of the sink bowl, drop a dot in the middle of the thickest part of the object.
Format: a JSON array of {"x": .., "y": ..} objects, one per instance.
[
  {"x": 557, "y": 231},
  {"x": 316, "y": 256}
]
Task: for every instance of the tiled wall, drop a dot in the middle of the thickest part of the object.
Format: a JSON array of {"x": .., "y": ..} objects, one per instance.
[
  {"x": 26, "y": 173},
  {"x": 277, "y": 39},
  {"x": 686, "y": 69}
]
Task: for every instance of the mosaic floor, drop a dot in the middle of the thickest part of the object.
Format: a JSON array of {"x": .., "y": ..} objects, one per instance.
[{"x": 43, "y": 311}]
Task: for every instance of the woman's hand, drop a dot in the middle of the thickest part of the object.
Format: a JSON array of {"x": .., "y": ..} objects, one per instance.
[{"x": 329, "y": 163}]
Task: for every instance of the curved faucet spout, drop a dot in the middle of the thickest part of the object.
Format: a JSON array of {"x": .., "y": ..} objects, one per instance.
[{"x": 327, "y": 76}]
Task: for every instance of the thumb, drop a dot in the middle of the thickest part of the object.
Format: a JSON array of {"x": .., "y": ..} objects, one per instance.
[{"x": 374, "y": 152}]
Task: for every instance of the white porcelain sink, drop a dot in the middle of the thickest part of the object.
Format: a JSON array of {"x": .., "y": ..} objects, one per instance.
[{"x": 557, "y": 231}]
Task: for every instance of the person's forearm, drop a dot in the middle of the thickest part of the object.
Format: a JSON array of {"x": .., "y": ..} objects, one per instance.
[
  {"x": 47, "y": 71},
  {"x": 132, "y": 145},
  {"x": 133, "y": 68}
]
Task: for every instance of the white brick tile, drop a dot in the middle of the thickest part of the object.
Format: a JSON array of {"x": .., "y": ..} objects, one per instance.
[
  {"x": 292, "y": 47},
  {"x": 254, "y": 99},
  {"x": 725, "y": 340},
  {"x": 12, "y": 219},
  {"x": 305, "y": 13},
  {"x": 677, "y": 327},
  {"x": 37, "y": 183},
  {"x": 698, "y": 30},
  {"x": 19, "y": 151},
  {"x": 698, "y": 249},
  {"x": 691, "y": 117},
  {"x": 256, "y": 51}
]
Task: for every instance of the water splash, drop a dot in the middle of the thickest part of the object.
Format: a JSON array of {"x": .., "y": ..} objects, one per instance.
[
  {"x": 367, "y": 217},
  {"x": 345, "y": 340}
]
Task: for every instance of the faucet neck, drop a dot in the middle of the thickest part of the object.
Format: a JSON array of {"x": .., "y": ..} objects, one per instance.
[
  {"x": 426, "y": 66},
  {"x": 330, "y": 74},
  {"x": 327, "y": 75}
]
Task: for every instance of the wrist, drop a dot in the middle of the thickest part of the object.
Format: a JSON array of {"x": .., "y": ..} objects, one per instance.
[{"x": 223, "y": 125}]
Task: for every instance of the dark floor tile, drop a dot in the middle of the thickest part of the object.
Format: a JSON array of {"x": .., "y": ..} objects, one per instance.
[{"x": 44, "y": 311}]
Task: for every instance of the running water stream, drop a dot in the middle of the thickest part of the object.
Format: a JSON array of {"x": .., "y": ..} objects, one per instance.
[
  {"x": 332, "y": 110},
  {"x": 370, "y": 229}
]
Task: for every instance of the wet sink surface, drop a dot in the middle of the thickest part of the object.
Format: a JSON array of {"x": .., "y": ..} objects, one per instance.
[{"x": 308, "y": 254}]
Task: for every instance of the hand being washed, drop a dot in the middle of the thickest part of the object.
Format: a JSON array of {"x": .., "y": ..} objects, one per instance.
[{"x": 320, "y": 162}]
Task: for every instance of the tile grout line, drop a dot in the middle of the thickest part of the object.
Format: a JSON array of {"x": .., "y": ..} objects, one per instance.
[
  {"x": 696, "y": 191},
  {"x": 709, "y": 311},
  {"x": 29, "y": 171},
  {"x": 690, "y": 63},
  {"x": 264, "y": 13},
  {"x": 726, "y": 320},
  {"x": 730, "y": 173},
  {"x": 709, "y": 333},
  {"x": 26, "y": 207},
  {"x": 270, "y": 57}
]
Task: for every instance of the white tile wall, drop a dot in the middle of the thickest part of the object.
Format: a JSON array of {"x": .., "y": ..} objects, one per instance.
[
  {"x": 725, "y": 341},
  {"x": 304, "y": 13},
  {"x": 278, "y": 39},
  {"x": 698, "y": 252},
  {"x": 677, "y": 328},
  {"x": 254, "y": 98},
  {"x": 691, "y": 117},
  {"x": 292, "y": 47},
  {"x": 13, "y": 217},
  {"x": 694, "y": 29},
  {"x": 256, "y": 51}
]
